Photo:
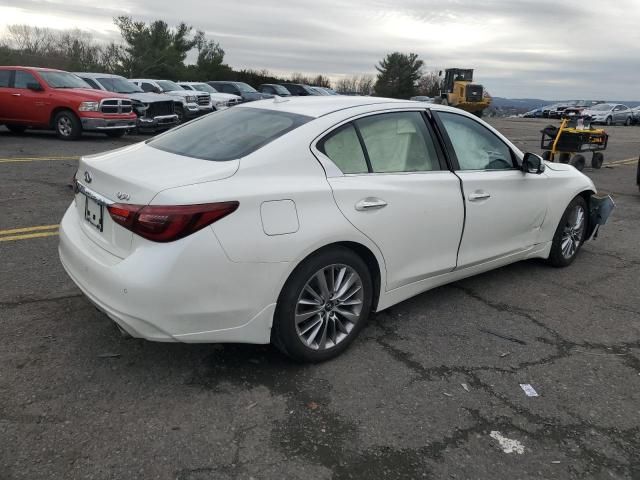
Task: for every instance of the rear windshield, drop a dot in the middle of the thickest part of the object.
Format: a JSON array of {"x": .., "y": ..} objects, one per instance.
[{"x": 228, "y": 134}]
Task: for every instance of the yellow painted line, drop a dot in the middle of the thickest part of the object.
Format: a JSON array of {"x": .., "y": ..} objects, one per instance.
[
  {"x": 12, "y": 231},
  {"x": 622, "y": 162},
  {"x": 34, "y": 159},
  {"x": 27, "y": 236}
]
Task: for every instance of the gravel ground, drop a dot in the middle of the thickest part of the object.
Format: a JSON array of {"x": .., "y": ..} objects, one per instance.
[{"x": 431, "y": 389}]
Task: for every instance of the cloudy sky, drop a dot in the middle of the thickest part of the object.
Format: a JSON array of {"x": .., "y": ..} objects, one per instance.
[{"x": 549, "y": 49}]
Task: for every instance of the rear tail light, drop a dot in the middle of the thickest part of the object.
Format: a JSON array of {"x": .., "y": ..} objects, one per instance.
[{"x": 160, "y": 223}]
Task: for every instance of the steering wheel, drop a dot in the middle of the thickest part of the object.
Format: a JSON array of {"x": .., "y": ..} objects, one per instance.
[{"x": 498, "y": 164}]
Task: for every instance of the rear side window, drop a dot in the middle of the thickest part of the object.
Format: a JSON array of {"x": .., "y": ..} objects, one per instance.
[
  {"x": 5, "y": 75},
  {"x": 343, "y": 148},
  {"x": 229, "y": 134},
  {"x": 398, "y": 142}
]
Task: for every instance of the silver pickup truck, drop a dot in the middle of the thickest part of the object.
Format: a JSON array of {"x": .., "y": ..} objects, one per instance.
[{"x": 155, "y": 112}]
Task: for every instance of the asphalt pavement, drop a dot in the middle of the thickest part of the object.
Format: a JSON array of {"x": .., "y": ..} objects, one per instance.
[{"x": 430, "y": 390}]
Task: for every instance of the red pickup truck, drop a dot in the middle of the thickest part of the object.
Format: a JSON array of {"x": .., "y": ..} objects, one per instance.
[{"x": 56, "y": 100}]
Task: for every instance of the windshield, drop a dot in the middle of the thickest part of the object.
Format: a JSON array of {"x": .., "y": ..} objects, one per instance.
[
  {"x": 228, "y": 134},
  {"x": 280, "y": 90},
  {"x": 168, "y": 85},
  {"x": 243, "y": 87},
  {"x": 603, "y": 107},
  {"x": 203, "y": 87},
  {"x": 118, "y": 85},
  {"x": 63, "y": 80}
]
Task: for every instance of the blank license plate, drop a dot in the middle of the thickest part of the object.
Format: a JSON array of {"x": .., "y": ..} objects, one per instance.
[{"x": 93, "y": 213}]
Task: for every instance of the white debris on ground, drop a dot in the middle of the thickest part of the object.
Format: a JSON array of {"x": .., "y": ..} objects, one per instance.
[{"x": 508, "y": 445}]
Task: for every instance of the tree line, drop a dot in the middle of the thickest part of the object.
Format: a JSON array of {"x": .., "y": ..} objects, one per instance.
[{"x": 157, "y": 50}]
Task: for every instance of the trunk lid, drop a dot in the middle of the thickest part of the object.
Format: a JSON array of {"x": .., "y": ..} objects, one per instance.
[{"x": 134, "y": 175}]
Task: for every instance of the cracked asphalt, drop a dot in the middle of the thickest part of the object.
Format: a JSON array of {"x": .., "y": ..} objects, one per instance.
[{"x": 417, "y": 396}]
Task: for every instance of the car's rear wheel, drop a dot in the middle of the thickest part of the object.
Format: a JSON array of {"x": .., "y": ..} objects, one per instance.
[
  {"x": 323, "y": 306},
  {"x": 570, "y": 234},
  {"x": 597, "y": 160},
  {"x": 67, "y": 125},
  {"x": 609, "y": 121},
  {"x": 579, "y": 162},
  {"x": 17, "y": 129}
]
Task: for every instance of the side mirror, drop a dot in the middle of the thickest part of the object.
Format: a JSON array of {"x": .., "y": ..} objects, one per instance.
[
  {"x": 36, "y": 87},
  {"x": 532, "y": 163}
]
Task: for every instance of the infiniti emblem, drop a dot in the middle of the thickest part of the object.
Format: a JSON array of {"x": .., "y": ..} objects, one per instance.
[
  {"x": 123, "y": 196},
  {"x": 87, "y": 176}
]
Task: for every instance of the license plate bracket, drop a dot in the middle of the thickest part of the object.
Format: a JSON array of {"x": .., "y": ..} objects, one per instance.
[{"x": 94, "y": 213}]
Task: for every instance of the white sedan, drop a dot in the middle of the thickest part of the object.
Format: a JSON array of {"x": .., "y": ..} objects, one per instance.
[{"x": 290, "y": 220}]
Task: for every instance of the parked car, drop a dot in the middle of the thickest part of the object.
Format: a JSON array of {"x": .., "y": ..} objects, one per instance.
[
  {"x": 320, "y": 91},
  {"x": 636, "y": 115},
  {"x": 188, "y": 105},
  {"x": 44, "y": 98},
  {"x": 241, "y": 89},
  {"x": 610, "y": 114},
  {"x": 328, "y": 90},
  {"x": 299, "y": 89},
  {"x": 288, "y": 221},
  {"x": 579, "y": 107},
  {"x": 154, "y": 111},
  {"x": 274, "y": 89},
  {"x": 422, "y": 98},
  {"x": 220, "y": 100},
  {"x": 535, "y": 113}
]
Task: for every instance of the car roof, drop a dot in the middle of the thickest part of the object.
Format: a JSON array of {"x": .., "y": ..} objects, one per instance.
[
  {"x": 97, "y": 75},
  {"x": 323, "y": 105},
  {"x": 191, "y": 83},
  {"x": 38, "y": 69}
]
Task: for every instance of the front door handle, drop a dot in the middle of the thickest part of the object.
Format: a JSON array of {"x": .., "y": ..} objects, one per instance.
[
  {"x": 370, "y": 203},
  {"x": 477, "y": 196},
  {"x": 15, "y": 94}
]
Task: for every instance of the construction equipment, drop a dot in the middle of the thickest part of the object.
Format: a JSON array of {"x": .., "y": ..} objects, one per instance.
[
  {"x": 458, "y": 90},
  {"x": 574, "y": 137}
]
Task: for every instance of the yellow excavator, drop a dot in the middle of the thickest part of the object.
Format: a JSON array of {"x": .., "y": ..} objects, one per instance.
[{"x": 458, "y": 90}]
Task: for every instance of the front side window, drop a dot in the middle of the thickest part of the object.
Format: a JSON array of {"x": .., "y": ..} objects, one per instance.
[
  {"x": 92, "y": 83},
  {"x": 23, "y": 79},
  {"x": 343, "y": 147},
  {"x": 168, "y": 85},
  {"x": 118, "y": 85},
  {"x": 398, "y": 142},
  {"x": 229, "y": 134},
  {"x": 475, "y": 146}
]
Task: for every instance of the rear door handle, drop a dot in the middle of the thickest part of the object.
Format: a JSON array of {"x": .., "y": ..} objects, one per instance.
[
  {"x": 477, "y": 196},
  {"x": 370, "y": 203}
]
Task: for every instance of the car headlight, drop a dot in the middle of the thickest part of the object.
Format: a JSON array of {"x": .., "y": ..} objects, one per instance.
[
  {"x": 89, "y": 106},
  {"x": 191, "y": 99}
]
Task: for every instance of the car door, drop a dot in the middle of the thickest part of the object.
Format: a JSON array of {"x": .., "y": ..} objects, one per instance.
[
  {"x": 393, "y": 187},
  {"x": 28, "y": 106},
  {"x": 6, "y": 93},
  {"x": 505, "y": 207}
]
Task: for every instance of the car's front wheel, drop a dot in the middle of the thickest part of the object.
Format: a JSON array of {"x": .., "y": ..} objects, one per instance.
[
  {"x": 570, "y": 234},
  {"x": 67, "y": 125},
  {"x": 323, "y": 306}
]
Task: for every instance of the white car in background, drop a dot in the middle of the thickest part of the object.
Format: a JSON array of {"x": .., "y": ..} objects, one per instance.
[
  {"x": 189, "y": 105},
  {"x": 610, "y": 114},
  {"x": 291, "y": 220},
  {"x": 219, "y": 100}
]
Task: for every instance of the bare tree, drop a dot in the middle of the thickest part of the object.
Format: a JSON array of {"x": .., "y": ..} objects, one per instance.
[
  {"x": 31, "y": 40},
  {"x": 365, "y": 85},
  {"x": 430, "y": 84}
]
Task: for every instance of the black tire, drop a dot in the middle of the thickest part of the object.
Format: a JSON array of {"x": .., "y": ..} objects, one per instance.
[
  {"x": 67, "y": 125},
  {"x": 17, "y": 129},
  {"x": 609, "y": 121},
  {"x": 579, "y": 162},
  {"x": 564, "y": 157},
  {"x": 557, "y": 258},
  {"x": 285, "y": 334},
  {"x": 597, "y": 160},
  {"x": 116, "y": 133},
  {"x": 546, "y": 155}
]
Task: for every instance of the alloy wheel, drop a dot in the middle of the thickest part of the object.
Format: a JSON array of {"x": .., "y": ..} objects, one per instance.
[
  {"x": 329, "y": 307},
  {"x": 573, "y": 232},
  {"x": 65, "y": 127}
]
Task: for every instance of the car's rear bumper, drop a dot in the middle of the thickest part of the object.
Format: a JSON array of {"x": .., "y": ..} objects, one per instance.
[
  {"x": 183, "y": 291},
  {"x": 103, "y": 124}
]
